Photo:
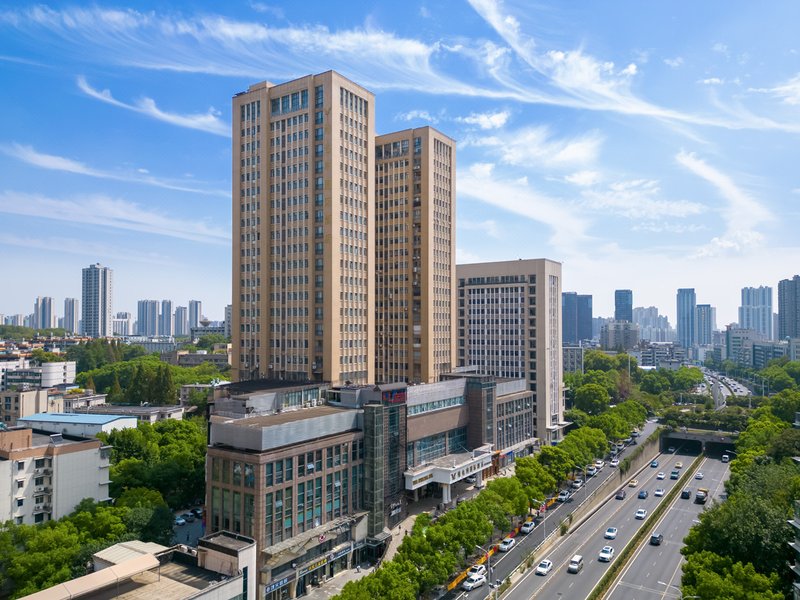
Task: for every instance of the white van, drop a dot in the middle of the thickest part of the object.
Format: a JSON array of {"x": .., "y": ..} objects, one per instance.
[
  {"x": 575, "y": 564},
  {"x": 725, "y": 458}
]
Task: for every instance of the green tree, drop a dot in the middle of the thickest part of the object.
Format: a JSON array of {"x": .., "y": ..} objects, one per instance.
[
  {"x": 89, "y": 385},
  {"x": 537, "y": 482},
  {"x": 599, "y": 361},
  {"x": 115, "y": 395},
  {"x": 592, "y": 399},
  {"x": 556, "y": 461},
  {"x": 206, "y": 342},
  {"x": 40, "y": 356},
  {"x": 709, "y": 575},
  {"x": 785, "y": 404}
]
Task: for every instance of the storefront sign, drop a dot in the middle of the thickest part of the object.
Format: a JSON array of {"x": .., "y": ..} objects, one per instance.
[
  {"x": 279, "y": 584},
  {"x": 419, "y": 480},
  {"x": 394, "y": 396},
  {"x": 313, "y": 566}
]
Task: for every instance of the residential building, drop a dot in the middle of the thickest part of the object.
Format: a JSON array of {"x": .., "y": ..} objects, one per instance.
[
  {"x": 181, "y": 321},
  {"x": 44, "y": 476},
  {"x": 756, "y": 310},
  {"x": 228, "y": 320},
  {"x": 739, "y": 344},
  {"x": 166, "y": 320},
  {"x": 123, "y": 324},
  {"x": 77, "y": 424},
  {"x": 318, "y": 475},
  {"x": 97, "y": 301},
  {"x": 573, "y": 358},
  {"x": 43, "y": 315},
  {"x": 619, "y": 335},
  {"x": 147, "y": 318},
  {"x": 653, "y": 327},
  {"x": 789, "y": 308},
  {"x": 704, "y": 324},
  {"x": 195, "y": 313},
  {"x": 72, "y": 315},
  {"x": 46, "y": 375},
  {"x": 197, "y": 332},
  {"x": 415, "y": 255},
  {"x": 509, "y": 325},
  {"x": 303, "y": 231},
  {"x": 17, "y": 320},
  {"x": 220, "y": 359},
  {"x": 623, "y": 305},
  {"x": 221, "y": 567},
  {"x": 687, "y": 305},
  {"x": 20, "y": 403}
]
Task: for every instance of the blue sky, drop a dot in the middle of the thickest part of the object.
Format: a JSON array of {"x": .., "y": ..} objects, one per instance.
[{"x": 648, "y": 146}]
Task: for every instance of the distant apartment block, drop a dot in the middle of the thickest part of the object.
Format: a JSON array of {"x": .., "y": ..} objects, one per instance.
[
  {"x": 123, "y": 324},
  {"x": 19, "y": 403},
  {"x": 181, "y": 321},
  {"x": 789, "y": 308},
  {"x": 687, "y": 313},
  {"x": 704, "y": 324},
  {"x": 97, "y": 301},
  {"x": 576, "y": 317},
  {"x": 755, "y": 311},
  {"x": 509, "y": 325},
  {"x": 147, "y": 318},
  {"x": 44, "y": 317},
  {"x": 195, "y": 313},
  {"x": 44, "y": 476},
  {"x": 653, "y": 327},
  {"x": 619, "y": 335},
  {"x": 166, "y": 320},
  {"x": 72, "y": 315}
]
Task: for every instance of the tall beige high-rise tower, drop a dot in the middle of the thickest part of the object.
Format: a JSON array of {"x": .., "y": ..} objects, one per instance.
[
  {"x": 303, "y": 231},
  {"x": 415, "y": 269}
]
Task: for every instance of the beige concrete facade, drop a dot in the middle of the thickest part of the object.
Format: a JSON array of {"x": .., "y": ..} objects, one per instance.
[
  {"x": 303, "y": 231},
  {"x": 509, "y": 325},
  {"x": 415, "y": 293}
]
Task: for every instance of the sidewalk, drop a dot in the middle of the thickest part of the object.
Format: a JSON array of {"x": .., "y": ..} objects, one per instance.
[{"x": 333, "y": 586}]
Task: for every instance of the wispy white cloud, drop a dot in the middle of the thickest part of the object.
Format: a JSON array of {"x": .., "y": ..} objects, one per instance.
[
  {"x": 583, "y": 178},
  {"x": 111, "y": 212},
  {"x": 742, "y": 213},
  {"x": 674, "y": 62},
  {"x": 788, "y": 92},
  {"x": 416, "y": 115},
  {"x": 274, "y": 11},
  {"x": 720, "y": 48},
  {"x": 208, "y": 122},
  {"x": 712, "y": 81},
  {"x": 667, "y": 227},
  {"x": 638, "y": 199},
  {"x": 31, "y": 156},
  {"x": 486, "y": 120},
  {"x": 536, "y": 147},
  {"x": 83, "y": 247},
  {"x": 568, "y": 227},
  {"x": 490, "y": 227}
]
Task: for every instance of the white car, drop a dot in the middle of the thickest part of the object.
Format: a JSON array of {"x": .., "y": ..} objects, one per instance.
[
  {"x": 659, "y": 492},
  {"x": 614, "y": 462},
  {"x": 527, "y": 527},
  {"x": 698, "y": 475},
  {"x": 661, "y": 475},
  {"x": 180, "y": 521},
  {"x": 476, "y": 570},
  {"x": 507, "y": 544},
  {"x": 606, "y": 554},
  {"x": 611, "y": 533},
  {"x": 473, "y": 581},
  {"x": 544, "y": 567},
  {"x": 641, "y": 513}
]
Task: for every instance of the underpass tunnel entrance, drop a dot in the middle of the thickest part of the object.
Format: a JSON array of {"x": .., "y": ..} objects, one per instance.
[{"x": 681, "y": 446}]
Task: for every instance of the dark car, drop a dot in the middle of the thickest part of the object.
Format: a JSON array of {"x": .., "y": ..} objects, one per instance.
[
  {"x": 620, "y": 495},
  {"x": 656, "y": 539},
  {"x": 642, "y": 494},
  {"x": 197, "y": 512},
  {"x": 687, "y": 493}
]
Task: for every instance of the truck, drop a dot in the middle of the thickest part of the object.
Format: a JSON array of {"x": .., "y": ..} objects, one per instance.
[{"x": 701, "y": 496}]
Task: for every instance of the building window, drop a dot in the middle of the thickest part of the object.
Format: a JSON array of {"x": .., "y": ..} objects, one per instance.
[
  {"x": 20, "y": 465},
  {"x": 20, "y": 501}
]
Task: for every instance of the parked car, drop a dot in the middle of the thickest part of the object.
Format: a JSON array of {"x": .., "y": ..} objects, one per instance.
[
  {"x": 656, "y": 539},
  {"x": 544, "y": 567},
  {"x": 507, "y": 544},
  {"x": 527, "y": 526},
  {"x": 197, "y": 512},
  {"x": 611, "y": 533},
  {"x": 599, "y": 464},
  {"x": 614, "y": 462},
  {"x": 576, "y": 485},
  {"x": 606, "y": 554},
  {"x": 620, "y": 495},
  {"x": 188, "y": 517},
  {"x": 473, "y": 581},
  {"x": 472, "y": 479},
  {"x": 563, "y": 496},
  {"x": 641, "y": 514},
  {"x": 180, "y": 521},
  {"x": 591, "y": 471},
  {"x": 476, "y": 570}
]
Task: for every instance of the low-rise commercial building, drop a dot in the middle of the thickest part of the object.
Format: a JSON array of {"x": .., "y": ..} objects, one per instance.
[{"x": 78, "y": 424}]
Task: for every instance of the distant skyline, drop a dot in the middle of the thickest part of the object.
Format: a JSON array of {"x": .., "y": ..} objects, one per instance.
[{"x": 648, "y": 147}]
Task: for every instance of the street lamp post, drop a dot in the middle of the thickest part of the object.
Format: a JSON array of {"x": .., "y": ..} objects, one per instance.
[
  {"x": 681, "y": 596},
  {"x": 492, "y": 586}
]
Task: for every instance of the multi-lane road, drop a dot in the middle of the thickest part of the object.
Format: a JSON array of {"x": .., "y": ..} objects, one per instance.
[{"x": 649, "y": 565}]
